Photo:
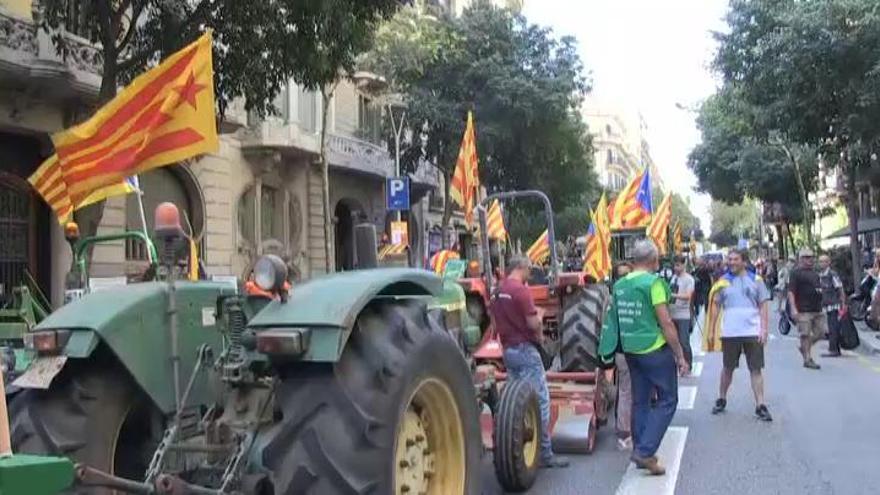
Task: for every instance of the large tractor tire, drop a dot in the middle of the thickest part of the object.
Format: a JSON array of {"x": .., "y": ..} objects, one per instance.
[
  {"x": 397, "y": 414},
  {"x": 90, "y": 414},
  {"x": 517, "y": 436},
  {"x": 581, "y": 324}
]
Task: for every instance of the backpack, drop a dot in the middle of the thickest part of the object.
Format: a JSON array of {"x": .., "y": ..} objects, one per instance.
[{"x": 849, "y": 336}]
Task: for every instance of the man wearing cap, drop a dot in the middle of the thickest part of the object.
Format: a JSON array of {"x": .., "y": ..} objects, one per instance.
[
  {"x": 519, "y": 324},
  {"x": 805, "y": 298}
]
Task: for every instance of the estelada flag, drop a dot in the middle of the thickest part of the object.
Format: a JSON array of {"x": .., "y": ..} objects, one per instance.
[
  {"x": 466, "y": 178},
  {"x": 164, "y": 116},
  {"x": 597, "y": 262},
  {"x": 540, "y": 249},
  {"x": 658, "y": 229},
  {"x": 495, "y": 221}
]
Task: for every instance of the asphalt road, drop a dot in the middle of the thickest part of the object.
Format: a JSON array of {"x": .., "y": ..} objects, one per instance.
[{"x": 825, "y": 437}]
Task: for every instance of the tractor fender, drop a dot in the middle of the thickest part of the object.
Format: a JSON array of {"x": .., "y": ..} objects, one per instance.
[
  {"x": 132, "y": 322},
  {"x": 329, "y": 306}
]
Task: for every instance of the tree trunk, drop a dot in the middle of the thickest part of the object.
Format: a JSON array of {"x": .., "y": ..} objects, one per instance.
[
  {"x": 780, "y": 236},
  {"x": 447, "y": 208},
  {"x": 802, "y": 192},
  {"x": 326, "y": 95},
  {"x": 852, "y": 212}
]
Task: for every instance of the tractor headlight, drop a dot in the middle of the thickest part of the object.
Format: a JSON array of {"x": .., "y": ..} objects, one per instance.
[{"x": 270, "y": 273}]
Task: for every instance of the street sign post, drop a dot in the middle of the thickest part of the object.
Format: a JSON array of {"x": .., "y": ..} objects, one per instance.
[{"x": 397, "y": 194}]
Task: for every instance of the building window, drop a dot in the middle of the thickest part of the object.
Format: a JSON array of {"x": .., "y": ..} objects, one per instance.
[
  {"x": 369, "y": 120},
  {"x": 609, "y": 157},
  {"x": 280, "y": 219},
  {"x": 307, "y": 109},
  {"x": 608, "y": 129}
]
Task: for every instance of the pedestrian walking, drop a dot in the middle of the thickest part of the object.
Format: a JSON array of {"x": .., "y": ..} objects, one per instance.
[
  {"x": 638, "y": 324},
  {"x": 623, "y": 406},
  {"x": 702, "y": 285},
  {"x": 682, "y": 287},
  {"x": 805, "y": 300},
  {"x": 742, "y": 302},
  {"x": 519, "y": 324}
]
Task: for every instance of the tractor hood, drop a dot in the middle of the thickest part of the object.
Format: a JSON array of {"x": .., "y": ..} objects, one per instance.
[{"x": 336, "y": 300}]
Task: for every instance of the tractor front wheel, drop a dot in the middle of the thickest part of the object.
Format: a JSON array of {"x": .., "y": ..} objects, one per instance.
[
  {"x": 396, "y": 414},
  {"x": 517, "y": 436}
]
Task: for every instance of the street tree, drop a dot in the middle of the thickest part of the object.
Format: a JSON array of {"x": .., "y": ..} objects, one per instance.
[
  {"x": 740, "y": 157},
  {"x": 524, "y": 86},
  {"x": 811, "y": 67},
  {"x": 731, "y": 222},
  {"x": 259, "y": 45}
]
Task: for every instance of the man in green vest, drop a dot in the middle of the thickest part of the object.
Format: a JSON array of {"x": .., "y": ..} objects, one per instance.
[{"x": 639, "y": 325}]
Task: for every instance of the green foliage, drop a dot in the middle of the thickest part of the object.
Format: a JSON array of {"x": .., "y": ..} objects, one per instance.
[
  {"x": 730, "y": 222},
  {"x": 523, "y": 85},
  {"x": 258, "y": 44},
  {"x": 736, "y": 157}
]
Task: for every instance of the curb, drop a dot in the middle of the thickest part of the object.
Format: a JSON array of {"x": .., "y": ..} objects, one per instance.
[{"x": 868, "y": 341}]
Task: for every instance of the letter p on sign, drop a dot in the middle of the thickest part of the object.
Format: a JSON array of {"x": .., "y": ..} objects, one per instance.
[{"x": 397, "y": 193}]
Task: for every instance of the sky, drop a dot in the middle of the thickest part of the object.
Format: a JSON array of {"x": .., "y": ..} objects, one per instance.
[{"x": 650, "y": 56}]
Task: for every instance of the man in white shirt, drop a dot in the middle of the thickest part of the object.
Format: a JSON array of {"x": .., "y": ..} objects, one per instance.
[{"x": 682, "y": 285}]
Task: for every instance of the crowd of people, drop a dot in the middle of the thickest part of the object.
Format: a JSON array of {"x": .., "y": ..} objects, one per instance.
[{"x": 647, "y": 331}]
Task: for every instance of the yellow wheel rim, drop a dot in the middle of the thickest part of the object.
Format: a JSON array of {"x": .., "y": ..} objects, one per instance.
[
  {"x": 530, "y": 442},
  {"x": 429, "y": 452}
]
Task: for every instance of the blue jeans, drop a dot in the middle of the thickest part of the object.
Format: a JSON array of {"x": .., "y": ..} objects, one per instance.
[
  {"x": 523, "y": 362},
  {"x": 655, "y": 371}
]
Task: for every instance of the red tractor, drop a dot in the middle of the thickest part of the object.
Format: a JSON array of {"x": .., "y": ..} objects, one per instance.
[{"x": 582, "y": 394}]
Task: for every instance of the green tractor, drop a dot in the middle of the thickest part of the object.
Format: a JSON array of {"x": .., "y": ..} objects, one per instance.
[
  {"x": 20, "y": 311},
  {"x": 350, "y": 383}
]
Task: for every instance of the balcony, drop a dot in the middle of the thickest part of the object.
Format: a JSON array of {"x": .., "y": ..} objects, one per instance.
[{"x": 28, "y": 59}]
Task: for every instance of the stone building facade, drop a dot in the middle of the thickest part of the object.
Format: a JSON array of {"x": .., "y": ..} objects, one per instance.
[{"x": 260, "y": 193}]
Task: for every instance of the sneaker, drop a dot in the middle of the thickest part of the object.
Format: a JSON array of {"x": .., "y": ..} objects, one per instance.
[
  {"x": 720, "y": 405},
  {"x": 763, "y": 413},
  {"x": 554, "y": 462},
  {"x": 812, "y": 365},
  {"x": 625, "y": 443}
]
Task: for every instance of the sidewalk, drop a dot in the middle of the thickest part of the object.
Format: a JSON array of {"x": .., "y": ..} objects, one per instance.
[{"x": 868, "y": 341}]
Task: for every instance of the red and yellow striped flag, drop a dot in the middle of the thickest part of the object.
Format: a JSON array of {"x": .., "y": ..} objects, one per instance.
[
  {"x": 633, "y": 207},
  {"x": 438, "y": 261},
  {"x": 466, "y": 178},
  {"x": 540, "y": 249},
  {"x": 392, "y": 250},
  {"x": 164, "y": 116},
  {"x": 658, "y": 229},
  {"x": 495, "y": 222},
  {"x": 676, "y": 238},
  {"x": 597, "y": 262}
]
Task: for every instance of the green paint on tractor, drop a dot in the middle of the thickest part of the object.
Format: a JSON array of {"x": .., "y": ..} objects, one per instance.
[{"x": 34, "y": 475}]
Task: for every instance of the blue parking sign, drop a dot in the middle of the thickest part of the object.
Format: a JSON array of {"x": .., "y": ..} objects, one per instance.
[{"x": 397, "y": 193}]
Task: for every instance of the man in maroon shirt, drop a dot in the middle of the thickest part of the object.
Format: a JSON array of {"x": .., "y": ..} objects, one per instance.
[{"x": 519, "y": 326}]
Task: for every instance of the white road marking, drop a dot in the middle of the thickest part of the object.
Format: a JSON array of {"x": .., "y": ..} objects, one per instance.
[
  {"x": 638, "y": 482},
  {"x": 697, "y": 369},
  {"x": 686, "y": 397}
]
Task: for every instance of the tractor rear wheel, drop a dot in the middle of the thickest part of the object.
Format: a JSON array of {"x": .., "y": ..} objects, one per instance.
[
  {"x": 91, "y": 414},
  {"x": 581, "y": 324},
  {"x": 517, "y": 436},
  {"x": 396, "y": 414}
]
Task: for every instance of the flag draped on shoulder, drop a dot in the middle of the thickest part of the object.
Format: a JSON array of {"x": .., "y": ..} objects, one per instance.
[
  {"x": 164, "y": 116},
  {"x": 633, "y": 206},
  {"x": 658, "y": 229},
  {"x": 466, "y": 177},
  {"x": 540, "y": 249},
  {"x": 438, "y": 261},
  {"x": 495, "y": 221},
  {"x": 597, "y": 262}
]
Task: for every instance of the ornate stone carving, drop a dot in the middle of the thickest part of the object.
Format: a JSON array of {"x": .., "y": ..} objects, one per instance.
[
  {"x": 361, "y": 155},
  {"x": 18, "y": 34},
  {"x": 82, "y": 55}
]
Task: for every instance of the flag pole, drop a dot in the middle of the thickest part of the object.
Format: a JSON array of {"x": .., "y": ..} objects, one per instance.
[{"x": 140, "y": 200}]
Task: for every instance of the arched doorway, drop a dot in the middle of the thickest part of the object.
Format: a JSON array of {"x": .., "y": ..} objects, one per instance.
[{"x": 347, "y": 214}]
